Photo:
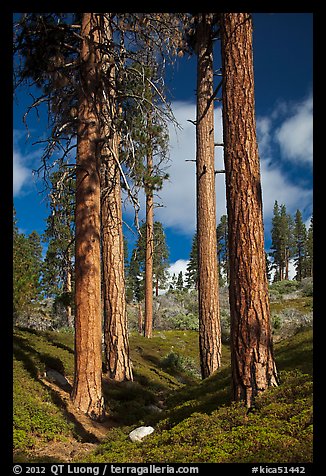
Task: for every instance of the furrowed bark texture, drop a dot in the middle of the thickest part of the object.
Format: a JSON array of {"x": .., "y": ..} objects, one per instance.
[
  {"x": 87, "y": 389},
  {"x": 209, "y": 318},
  {"x": 116, "y": 341},
  {"x": 253, "y": 366}
]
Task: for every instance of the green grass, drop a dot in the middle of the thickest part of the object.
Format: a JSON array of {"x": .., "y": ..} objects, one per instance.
[
  {"x": 198, "y": 422},
  {"x": 301, "y": 304}
]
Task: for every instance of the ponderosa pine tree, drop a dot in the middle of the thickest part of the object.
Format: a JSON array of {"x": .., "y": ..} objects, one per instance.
[
  {"x": 116, "y": 341},
  {"x": 150, "y": 144},
  {"x": 59, "y": 54},
  {"x": 192, "y": 266},
  {"x": 87, "y": 388},
  {"x": 63, "y": 57},
  {"x": 27, "y": 266},
  {"x": 282, "y": 241},
  {"x": 57, "y": 270},
  {"x": 160, "y": 259},
  {"x": 208, "y": 298},
  {"x": 252, "y": 361}
]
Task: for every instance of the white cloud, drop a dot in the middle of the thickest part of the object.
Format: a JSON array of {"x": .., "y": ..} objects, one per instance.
[
  {"x": 22, "y": 166},
  {"x": 263, "y": 125},
  {"x": 295, "y": 135},
  {"x": 276, "y": 186},
  {"x": 21, "y": 174},
  {"x": 179, "y": 265},
  {"x": 179, "y": 193},
  {"x": 289, "y": 127}
]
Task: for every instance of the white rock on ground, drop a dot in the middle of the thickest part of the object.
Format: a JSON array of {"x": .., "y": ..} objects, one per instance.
[{"x": 139, "y": 433}]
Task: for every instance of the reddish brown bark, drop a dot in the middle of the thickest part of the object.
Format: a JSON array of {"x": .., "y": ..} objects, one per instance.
[
  {"x": 116, "y": 341},
  {"x": 253, "y": 366},
  {"x": 209, "y": 319},
  {"x": 140, "y": 318},
  {"x": 87, "y": 389}
]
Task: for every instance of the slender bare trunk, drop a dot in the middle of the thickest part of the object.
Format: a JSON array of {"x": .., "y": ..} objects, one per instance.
[
  {"x": 140, "y": 318},
  {"x": 68, "y": 289},
  {"x": 87, "y": 389},
  {"x": 209, "y": 319},
  {"x": 148, "y": 329},
  {"x": 253, "y": 366}
]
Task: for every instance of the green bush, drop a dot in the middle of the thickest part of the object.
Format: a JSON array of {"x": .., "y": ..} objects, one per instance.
[
  {"x": 185, "y": 322},
  {"x": 284, "y": 287},
  {"x": 198, "y": 424},
  {"x": 307, "y": 287},
  {"x": 276, "y": 321},
  {"x": 176, "y": 362},
  {"x": 279, "y": 429}
]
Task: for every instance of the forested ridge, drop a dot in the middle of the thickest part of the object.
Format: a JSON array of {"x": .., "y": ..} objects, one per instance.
[{"x": 217, "y": 361}]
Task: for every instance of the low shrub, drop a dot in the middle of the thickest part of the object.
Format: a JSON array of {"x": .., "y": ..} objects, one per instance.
[
  {"x": 184, "y": 322},
  {"x": 179, "y": 363}
]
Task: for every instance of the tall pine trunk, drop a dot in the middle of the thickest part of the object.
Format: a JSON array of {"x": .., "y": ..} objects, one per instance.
[
  {"x": 116, "y": 341},
  {"x": 253, "y": 366},
  {"x": 140, "y": 318},
  {"x": 148, "y": 328},
  {"x": 209, "y": 319},
  {"x": 68, "y": 289},
  {"x": 87, "y": 389}
]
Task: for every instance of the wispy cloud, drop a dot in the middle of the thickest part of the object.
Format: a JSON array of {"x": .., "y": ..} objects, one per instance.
[
  {"x": 179, "y": 193},
  {"x": 295, "y": 135},
  {"x": 21, "y": 174},
  {"x": 277, "y": 186},
  {"x": 177, "y": 266},
  {"x": 22, "y": 166},
  {"x": 285, "y": 143}
]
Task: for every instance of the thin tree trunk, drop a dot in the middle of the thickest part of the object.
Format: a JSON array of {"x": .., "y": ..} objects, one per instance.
[
  {"x": 70, "y": 320},
  {"x": 253, "y": 366},
  {"x": 209, "y": 319},
  {"x": 87, "y": 389},
  {"x": 140, "y": 318},
  {"x": 116, "y": 341},
  {"x": 287, "y": 259},
  {"x": 148, "y": 328}
]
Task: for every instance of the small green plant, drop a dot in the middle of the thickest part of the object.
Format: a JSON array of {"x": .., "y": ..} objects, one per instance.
[
  {"x": 176, "y": 362},
  {"x": 307, "y": 287},
  {"x": 276, "y": 322}
]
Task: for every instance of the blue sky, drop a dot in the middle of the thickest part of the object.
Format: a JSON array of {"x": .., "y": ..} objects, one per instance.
[{"x": 283, "y": 96}]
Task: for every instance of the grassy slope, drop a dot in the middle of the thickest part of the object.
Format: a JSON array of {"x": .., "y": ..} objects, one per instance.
[{"x": 198, "y": 422}]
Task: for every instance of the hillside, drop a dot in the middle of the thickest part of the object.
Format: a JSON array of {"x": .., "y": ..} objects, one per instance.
[{"x": 194, "y": 420}]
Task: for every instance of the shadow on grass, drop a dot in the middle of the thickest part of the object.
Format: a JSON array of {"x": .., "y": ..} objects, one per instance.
[
  {"x": 34, "y": 361},
  {"x": 296, "y": 353},
  {"x": 204, "y": 397}
]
